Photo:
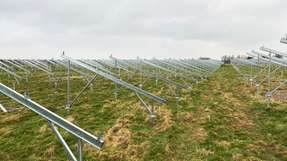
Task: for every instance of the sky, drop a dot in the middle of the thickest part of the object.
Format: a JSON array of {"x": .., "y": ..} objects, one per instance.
[{"x": 144, "y": 28}]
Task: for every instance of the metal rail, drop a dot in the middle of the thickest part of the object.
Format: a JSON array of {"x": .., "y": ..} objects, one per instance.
[
  {"x": 11, "y": 73},
  {"x": 36, "y": 66},
  {"x": 72, "y": 68},
  {"x": 54, "y": 118},
  {"x": 263, "y": 48},
  {"x": 116, "y": 80},
  {"x": 98, "y": 66},
  {"x": 6, "y": 66},
  {"x": 150, "y": 74},
  {"x": 18, "y": 66}
]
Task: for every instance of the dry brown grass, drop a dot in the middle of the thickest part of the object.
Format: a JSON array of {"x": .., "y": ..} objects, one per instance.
[
  {"x": 203, "y": 115},
  {"x": 44, "y": 128},
  {"x": 119, "y": 134},
  {"x": 223, "y": 143},
  {"x": 12, "y": 118},
  {"x": 70, "y": 118},
  {"x": 136, "y": 152},
  {"x": 259, "y": 144},
  {"x": 165, "y": 122},
  {"x": 241, "y": 121},
  {"x": 229, "y": 98},
  {"x": 199, "y": 134},
  {"x": 50, "y": 152},
  {"x": 204, "y": 152},
  {"x": 4, "y": 131},
  {"x": 280, "y": 95},
  {"x": 118, "y": 144}
]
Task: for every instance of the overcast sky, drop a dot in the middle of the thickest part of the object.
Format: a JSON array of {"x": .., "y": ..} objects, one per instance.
[{"x": 144, "y": 28}]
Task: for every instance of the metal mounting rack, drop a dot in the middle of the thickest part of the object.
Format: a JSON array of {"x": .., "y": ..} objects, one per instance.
[
  {"x": 116, "y": 80},
  {"x": 54, "y": 119}
]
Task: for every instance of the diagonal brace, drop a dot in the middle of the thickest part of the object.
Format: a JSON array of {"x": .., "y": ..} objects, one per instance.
[{"x": 82, "y": 91}]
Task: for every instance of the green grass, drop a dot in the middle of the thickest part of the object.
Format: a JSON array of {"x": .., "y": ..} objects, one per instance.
[{"x": 219, "y": 119}]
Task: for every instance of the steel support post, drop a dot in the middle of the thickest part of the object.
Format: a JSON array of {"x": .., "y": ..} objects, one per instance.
[
  {"x": 68, "y": 106},
  {"x": 118, "y": 68},
  {"x": 141, "y": 71},
  {"x": 63, "y": 142},
  {"x": 258, "y": 72},
  {"x": 177, "y": 94},
  {"x": 80, "y": 150},
  {"x": 14, "y": 85},
  {"x": 268, "y": 94},
  {"x": 152, "y": 115},
  {"x": 251, "y": 74},
  {"x": 119, "y": 76},
  {"x": 26, "y": 93},
  {"x": 157, "y": 74}
]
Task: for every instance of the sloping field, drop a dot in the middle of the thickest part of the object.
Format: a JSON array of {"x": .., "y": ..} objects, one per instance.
[{"x": 219, "y": 119}]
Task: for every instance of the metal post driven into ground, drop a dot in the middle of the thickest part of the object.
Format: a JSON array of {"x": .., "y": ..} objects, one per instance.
[
  {"x": 258, "y": 70},
  {"x": 268, "y": 94},
  {"x": 80, "y": 150},
  {"x": 119, "y": 76},
  {"x": 68, "y": 106}
]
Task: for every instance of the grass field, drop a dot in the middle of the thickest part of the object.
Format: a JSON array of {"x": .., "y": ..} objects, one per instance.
[{"x": 218, "y": 119}]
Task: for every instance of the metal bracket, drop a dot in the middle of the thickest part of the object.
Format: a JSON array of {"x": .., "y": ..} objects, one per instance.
[
  {"x": 268, "y": 94},
  {"x": 152, "y": 114}
]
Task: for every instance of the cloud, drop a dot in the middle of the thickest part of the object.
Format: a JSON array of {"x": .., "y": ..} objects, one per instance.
[{"x": 130, "y": 28}]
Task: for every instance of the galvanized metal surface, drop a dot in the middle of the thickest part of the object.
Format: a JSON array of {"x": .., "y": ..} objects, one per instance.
[
  {"x": 116, "y": 80},
  {"x": 54, "y": 118}
]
